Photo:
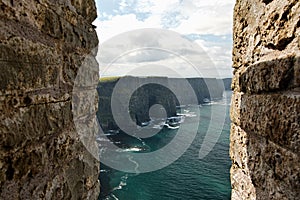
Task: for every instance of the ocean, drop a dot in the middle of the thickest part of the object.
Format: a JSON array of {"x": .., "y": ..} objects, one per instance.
[{"x": 188, "y": 177}]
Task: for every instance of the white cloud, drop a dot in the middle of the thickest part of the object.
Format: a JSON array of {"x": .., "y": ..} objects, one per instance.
[
  {"x": 156, "y": 47},
  {"x": 186, "y": 17},
  {"x": 208, "y": 19},
  {"x": 220, "y": 54},
  {"x": 156, "y": 7},
  {"x": 122, "y": 23},
  {"x": 197, "y": 17}
]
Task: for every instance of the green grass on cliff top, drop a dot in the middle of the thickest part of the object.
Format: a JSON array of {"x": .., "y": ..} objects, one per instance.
[
  {"x": 109, "y": 79},
  {"x": 115, "y": 78}
]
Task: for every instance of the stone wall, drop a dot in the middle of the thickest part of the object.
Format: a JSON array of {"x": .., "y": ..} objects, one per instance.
[
  {"x": 42, "y": 45},
  {"x": 265, "y": 131}
]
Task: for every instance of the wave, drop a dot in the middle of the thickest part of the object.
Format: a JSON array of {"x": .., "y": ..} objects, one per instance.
[
  {"x": 142, "y": 141},
  {"x": 223, "y": 103},
  {"x": 171, "y": 127},
  {"x": 101, "y": 139},
  {"x": 122, "y": 183},
  {"x": 131, "y": 149},
  {"x": 111, "y": 197},
  {"x": 188, "y": 114},
  {"x": 110, "y": 134}
]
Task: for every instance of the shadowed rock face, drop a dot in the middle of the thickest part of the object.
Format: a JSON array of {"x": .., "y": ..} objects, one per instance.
[
  {"x": 265, "y": 132},
  {"x": 159, "y": 91},
  {"x": 42, "y": 45},
  {"x": 227, "y": 83}
]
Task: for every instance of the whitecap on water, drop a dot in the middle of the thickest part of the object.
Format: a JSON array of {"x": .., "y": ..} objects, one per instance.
[
  {"x": 132, "y": 149},
  {"x": 122, "y": 183}
]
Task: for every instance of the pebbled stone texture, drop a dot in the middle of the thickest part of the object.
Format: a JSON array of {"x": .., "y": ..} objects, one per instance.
[
  {"x": 265, "y": 133},
  {"x": 42, "y": 45}
]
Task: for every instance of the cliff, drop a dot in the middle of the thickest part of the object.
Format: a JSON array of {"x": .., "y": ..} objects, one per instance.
[
  {"x": 265, "y": 131},
  {"x": 227, "y": 83},
  {"x": 158, "y": 92},
  {"x": 42, "y": 46}
]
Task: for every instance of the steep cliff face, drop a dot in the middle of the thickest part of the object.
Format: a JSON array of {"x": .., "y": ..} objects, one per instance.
[
  {"x": 140, "y": 100},
  {"x": 158, "y": 92},
  {"x": 42, "y": 45},
  {"x": 265, "y": 132},
  {"x": 227, "y": 83}
]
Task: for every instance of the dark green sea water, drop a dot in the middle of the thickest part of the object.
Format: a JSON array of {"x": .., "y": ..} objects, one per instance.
[{"x": 187, "y": 178}]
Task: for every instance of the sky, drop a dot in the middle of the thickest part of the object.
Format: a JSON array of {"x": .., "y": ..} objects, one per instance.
[{"x": 189, "y": 37}]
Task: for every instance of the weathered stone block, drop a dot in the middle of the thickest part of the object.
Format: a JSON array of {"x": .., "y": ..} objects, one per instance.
[
  {"x": 18, "y": 76},
  {"x": 80, "y": 71},
  {"x": 42, "y": 156},
  {"x": 261, "y": 32},
  {"x": 261, "y": 169},
  {"x": 269, "y": 76},
  {"x": 265, "y": 134},
  {"x": 274, "y": 170},
  {"x": 242, "y": 186},
  {"x": 274, "y": 116}
]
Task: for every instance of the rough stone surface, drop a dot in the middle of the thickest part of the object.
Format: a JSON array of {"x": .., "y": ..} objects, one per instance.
[
  {"x": 42, "y": 45},
  {"x": 265, "y": 133}
]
